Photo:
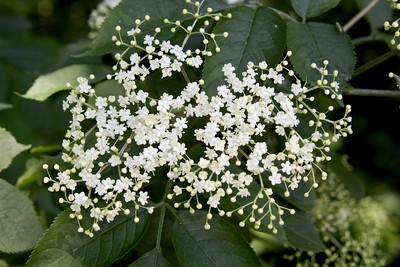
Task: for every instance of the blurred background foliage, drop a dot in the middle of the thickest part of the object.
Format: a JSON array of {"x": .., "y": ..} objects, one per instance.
[{"x": 39, "y": 36}]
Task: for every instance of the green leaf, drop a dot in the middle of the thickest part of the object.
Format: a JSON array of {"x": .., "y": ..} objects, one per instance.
[
  {"x": 301, "y": 232},
  {"x": 151, "y": 259},
  {"x": 110, "y": 243},
  {"x": 128, "y": 11},
  {"x": 4, "y": 106},
  {"x": 312, "y": 8},
  {"x": 254, "y": 189},
  {"x": 3, "y": 263},
  {"x": 254, "y": 35},
  {"x": 222, "y": 245},
  {"x": 49, "y": 84},
  {"x": 315, "y": 42},
  {"x": 9, "y": 148},
  {"x": 59, "y": 258},
  {"x": 344, "y": 172},
  {"x": 105, "y": 89},
  {"x": 380, "y": 13},
  {"x": 20, "y": 227},
  {"x": 33, "y": 173},
  {"x": 296, "y": 197}
]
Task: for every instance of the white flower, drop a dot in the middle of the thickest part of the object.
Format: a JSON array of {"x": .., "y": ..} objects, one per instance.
[
  {"x": 316, "y": 136},
  {"x": 81, "y": 199},
  {"x": 148, "y": 40},
  {"x": 143, "y": 196},
  {"x": 275, "y": 178},
  {"x": 129, "y": 196},
  {"x": 165, "y": 46},
  {"x": 213, "y": 201},
  {"x": 297, "y": 88},
  {"x": 194, "y": 61},
  {"x": 286, "y": 167}
]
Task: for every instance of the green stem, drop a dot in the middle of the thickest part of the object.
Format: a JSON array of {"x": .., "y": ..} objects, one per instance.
[
  {"x": 372, "y": 92},
  {"x": 366, "y": 39},
  {"x": 375, "y": 62},
  {"x": 162, "y": 215},
  {"x": 360, "y": 15},
  {"x": 160, "y": 228}
]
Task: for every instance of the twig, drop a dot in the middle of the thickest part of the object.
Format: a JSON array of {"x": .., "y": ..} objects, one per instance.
[
  {"x": 359, "y": 15},
  {"x": 371, "y": 92},
  {"x": 375, "y": 62},
  {"x": 366, "y": 39}
]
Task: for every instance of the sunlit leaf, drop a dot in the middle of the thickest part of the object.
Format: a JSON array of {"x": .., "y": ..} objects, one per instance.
[
  {"x": 49, "y": 84},
  {"x": 254, "y": 35},
  {"x": 9, "y": 148},
  {"x": 5, "y": 106},
  {"x": 222, "y": 245},
  {"x": 110, "y": 243},
  {"x": 20, "y": 227}
]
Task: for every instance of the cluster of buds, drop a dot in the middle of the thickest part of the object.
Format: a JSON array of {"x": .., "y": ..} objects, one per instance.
[
  {"x": 117, "y": 143},
  {"x": 394, "y": 25},
  {"x": 351, "y": 229}
]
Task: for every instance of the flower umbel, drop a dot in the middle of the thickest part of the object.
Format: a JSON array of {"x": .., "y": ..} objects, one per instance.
[{"x": 225, "y": 152}]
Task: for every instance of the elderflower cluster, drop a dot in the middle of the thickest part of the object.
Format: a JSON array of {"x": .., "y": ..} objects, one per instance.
[
  {"x": 351, "y": 229},
  {"x": 394, "y": 25},
  {"x": 99, "y": 15},
  {"x": 116, "y": 143}
]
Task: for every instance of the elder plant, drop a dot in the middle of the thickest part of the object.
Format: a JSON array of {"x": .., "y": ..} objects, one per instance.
[{"x": 211, "y": 120}]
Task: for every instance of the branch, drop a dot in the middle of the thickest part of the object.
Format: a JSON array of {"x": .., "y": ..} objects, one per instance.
[
  {"x": 373, "y": 37},
  {"x": 360, "y": 15},
  {"x": 375, "y": 62},
  {"x": 371, "y": 92}
]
